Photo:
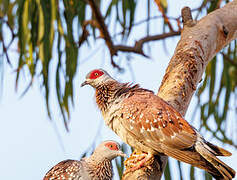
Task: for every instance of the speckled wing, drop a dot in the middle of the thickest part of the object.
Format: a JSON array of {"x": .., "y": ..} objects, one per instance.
[
  {"x": 154, "y": 122},
  {"x": 67, "y": 169}
]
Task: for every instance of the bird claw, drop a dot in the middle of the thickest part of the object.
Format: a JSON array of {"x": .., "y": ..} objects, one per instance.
[{"x": 137, "y": 161}]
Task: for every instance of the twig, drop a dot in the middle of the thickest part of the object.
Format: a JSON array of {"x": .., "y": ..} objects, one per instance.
[
  {"x": 145, "y": 20},
  {"x": 102, "y": 27},
  {"x": 104, "y": 31},
  {"x": 166, "y": 19},
  {"x": 5, "y": 51},
  {"x": 137, "y": 48},
  {"x": 83, "y": 37}
]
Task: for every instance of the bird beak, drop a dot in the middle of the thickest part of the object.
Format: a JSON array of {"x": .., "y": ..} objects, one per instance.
[
  {"x": 84, "y": 83},
  {"x": 120, "y": 153}
]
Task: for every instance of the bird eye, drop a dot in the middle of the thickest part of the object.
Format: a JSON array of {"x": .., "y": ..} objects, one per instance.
[
  {"x": 112, "y": 146},
  {"x": 96, "y": 74}
]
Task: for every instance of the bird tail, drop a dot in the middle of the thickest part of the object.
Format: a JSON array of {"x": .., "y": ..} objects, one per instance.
[
  {"x": 217, "y": 151},
  {"x": 203, "y": 155},
  {"x": 214, "y": 166}
]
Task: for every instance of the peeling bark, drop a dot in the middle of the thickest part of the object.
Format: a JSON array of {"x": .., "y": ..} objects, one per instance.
[
  {"x": 197, "y": 46},
  {"x": 199, "y": 43}
]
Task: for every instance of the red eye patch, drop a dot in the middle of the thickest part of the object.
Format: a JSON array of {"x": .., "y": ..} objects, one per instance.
[
  {"x": 96, "y": 73},
  {"x": 112, "y": 146}
]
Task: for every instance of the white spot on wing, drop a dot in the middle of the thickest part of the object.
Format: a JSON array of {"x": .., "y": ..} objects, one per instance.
[
  {"x": 142, "y": 129},
  {"x": 152, "y": 128},
  {"x": 173, "y": 136},
  {"x": 132, "y": 121}
]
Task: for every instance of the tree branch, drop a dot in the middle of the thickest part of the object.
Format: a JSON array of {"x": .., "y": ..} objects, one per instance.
[
  {"x": 102, "y": 27},
  {"x": 104, "y": 31},
  {"x": 166, "y": 19},
  {"x": 199, "y": 43},
  {"x": 197, "y": 46},
  {"x": 137, "y": 48},
  {"x": 5, "y": 48}
]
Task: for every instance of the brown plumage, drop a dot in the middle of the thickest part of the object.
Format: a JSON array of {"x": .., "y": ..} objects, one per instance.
[
  {"x": 97, "y": 167},
  {"x": 147, "y": 123}
]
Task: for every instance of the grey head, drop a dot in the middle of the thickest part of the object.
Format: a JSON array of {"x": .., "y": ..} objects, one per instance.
[
  {"x": 108, "y": 150},
  {"x": 97, "y": 77}
]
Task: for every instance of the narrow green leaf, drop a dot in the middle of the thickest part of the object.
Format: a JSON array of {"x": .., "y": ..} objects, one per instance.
[
  {"x": 167, "y": 172},
  {"x": 47, "y": 48},
  {"x": 192, "y": 177}
]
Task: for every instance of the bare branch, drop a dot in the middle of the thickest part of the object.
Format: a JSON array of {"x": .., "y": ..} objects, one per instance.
[
  {"x": 5, "y": 51},
  {"x": 166, "y": 19},
  {"x": 5, "y": 48},
  {"x": 198, "y": 45},
  {"x": 84, "y": 36},
  {"x": 102, "y": 27},
  {"x": 138, "y": 47}
]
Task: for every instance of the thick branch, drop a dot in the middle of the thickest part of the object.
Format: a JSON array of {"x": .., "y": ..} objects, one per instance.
[{"x": 199, "y": 43}]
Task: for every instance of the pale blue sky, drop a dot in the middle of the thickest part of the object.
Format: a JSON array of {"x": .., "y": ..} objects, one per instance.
[{"x": 30, "y": 145}]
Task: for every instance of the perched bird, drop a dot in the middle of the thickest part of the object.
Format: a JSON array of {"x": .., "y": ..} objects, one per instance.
[
  {"x": 147, "y": 123},
  {"x": 97, "y": 167}
]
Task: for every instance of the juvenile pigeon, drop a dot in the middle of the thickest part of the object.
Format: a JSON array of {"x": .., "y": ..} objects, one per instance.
[
  {"x": 96, "y": 167},
  {"x": 147, "y": 123}
]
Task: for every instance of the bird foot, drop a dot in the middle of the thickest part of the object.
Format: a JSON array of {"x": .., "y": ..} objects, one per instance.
[{"x": 138, "y": 160}]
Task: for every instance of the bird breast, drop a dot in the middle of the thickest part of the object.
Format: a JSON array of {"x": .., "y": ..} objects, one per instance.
[{"x": 114, "y": 119}]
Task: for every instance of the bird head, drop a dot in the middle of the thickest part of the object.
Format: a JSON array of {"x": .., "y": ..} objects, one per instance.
[
  {"x": 109, "y": 150},
  {"x": 96, "y": 77}
]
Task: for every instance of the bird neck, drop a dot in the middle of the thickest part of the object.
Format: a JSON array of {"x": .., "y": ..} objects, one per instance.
[
  {"x": 104, "y": 94},
  {"x": 100, "y": 169},
  {"x": 112, "y": 90}
]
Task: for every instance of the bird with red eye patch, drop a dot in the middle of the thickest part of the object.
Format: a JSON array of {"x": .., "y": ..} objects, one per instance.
[
  {"x": 96, "y": 167},
  {"x": 149, "y": 124},
  {"x": 96, "y": 73},
  {"x": 96, "y": 76},
  {"x": 112, "y": 146}
]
